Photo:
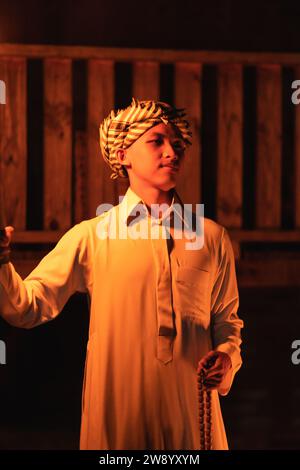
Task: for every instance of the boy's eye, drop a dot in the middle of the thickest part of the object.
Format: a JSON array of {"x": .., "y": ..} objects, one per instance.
[
  {"x": 180, "y": 145},
  {"x": 177, "y": 144}
]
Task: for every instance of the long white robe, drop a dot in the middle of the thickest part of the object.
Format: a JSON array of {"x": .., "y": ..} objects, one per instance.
[{"x": 156, "y": 311}]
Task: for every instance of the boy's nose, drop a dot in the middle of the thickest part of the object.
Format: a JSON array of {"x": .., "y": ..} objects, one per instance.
[{"x": 169, "y": 151}]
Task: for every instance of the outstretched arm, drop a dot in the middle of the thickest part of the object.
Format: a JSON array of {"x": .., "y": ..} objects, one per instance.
[{"x": 42, "y": 295}]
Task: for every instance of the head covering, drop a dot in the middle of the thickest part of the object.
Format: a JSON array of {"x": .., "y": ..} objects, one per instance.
[{"x": 123, "y": 127}]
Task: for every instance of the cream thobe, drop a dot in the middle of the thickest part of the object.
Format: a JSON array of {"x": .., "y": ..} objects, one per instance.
[{"x": 156, "y": 308}]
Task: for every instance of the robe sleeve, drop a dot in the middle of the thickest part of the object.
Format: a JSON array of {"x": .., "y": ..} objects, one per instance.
[
  {"x": 42, "y": 295},
  {"x": 226, "y": 325}
]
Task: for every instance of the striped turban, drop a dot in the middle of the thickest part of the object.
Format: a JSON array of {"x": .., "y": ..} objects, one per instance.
[{"x": 123, "y": 127}]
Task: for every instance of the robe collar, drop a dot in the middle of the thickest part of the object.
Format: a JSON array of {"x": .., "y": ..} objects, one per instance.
[{"x": 131, "y": 200}]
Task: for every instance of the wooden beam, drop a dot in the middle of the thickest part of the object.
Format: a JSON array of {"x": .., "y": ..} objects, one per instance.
[
  {"x": 268, "y": 273},
  {"x": 159, "y": 55},
  {"x": 230, "y": 145},
  {"x": 272, "y": 236},
  {"x": 36, "y": 236},
  {"x": 13, "y": 141},
  {"x": 250, "y": 273},
  {"x": 57, "y": 143},
  {"x": 188, "y": 95}
]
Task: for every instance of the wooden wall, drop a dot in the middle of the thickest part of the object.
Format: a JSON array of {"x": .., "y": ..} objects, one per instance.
[{"x": 72, "y": 179}]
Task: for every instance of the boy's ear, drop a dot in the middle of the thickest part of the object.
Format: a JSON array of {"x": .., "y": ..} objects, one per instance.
[{"x": 122, "y": 157}]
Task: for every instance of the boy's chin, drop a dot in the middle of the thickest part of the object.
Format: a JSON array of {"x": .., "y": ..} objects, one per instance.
[{"x": 167, "y": 185}]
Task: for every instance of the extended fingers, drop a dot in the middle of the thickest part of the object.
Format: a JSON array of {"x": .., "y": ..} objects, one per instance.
[
  {"x": 211, "y": 374},
  {"x": 4, "y": 255},
  {"x": 5, "y": 239},
  {"x": 212, "y": 383},
  {"x": 5, "y": 236}
]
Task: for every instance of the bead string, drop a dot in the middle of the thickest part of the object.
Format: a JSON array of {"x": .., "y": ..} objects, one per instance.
[{"x": 205, "y": 421}]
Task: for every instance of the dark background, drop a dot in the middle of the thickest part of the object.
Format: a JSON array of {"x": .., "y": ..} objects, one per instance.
[
  {"x": 213, "y": 25},
  {"x": 40, "y": 386}
]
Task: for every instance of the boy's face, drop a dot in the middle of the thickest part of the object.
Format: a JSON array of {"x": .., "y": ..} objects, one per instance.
[{"x": 155, "y": 158}]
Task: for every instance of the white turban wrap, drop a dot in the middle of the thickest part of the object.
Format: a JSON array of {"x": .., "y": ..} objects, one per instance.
[{"x": 123, "y": 127}]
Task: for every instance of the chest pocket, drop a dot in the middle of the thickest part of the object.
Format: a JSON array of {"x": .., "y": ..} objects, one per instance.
[{"x": 193, "y": 293}]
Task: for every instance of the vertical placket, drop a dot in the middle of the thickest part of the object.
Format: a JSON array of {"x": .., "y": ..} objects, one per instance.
[{"x": 165, "y": 318}]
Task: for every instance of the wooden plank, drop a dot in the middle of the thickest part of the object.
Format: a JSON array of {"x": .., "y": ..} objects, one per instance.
[
  {"x": 268, "y": 273},
  {"x": 57, "y": 143},
  {"x": 188, "y": 95},
  {"x": 13, "y": 142},
  {"x": 138, "y": 54},
  {"x": 100, "y": 188},
  {"x": 37, "y": 236},
  {"x": 250, "y": 274},
  {"x": 272, "y": 236},
  {"x": 145, "y": 86},
  {"x": 268, "y": 158},
  {"x": 297, "y": 157},
  {"x": 288, "y": 236},
  {"x": 146, "y": 80},
  {"x": 80, "y": 177},
  {"x": 230, "y": 145}
]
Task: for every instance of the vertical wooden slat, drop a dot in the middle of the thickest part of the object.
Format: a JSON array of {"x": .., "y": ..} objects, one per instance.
[
  {"x": 13, "y": 141},
  {"x": 80, "y": 195},
  {"x": 188, "y": 95},
  {"x": 100, "y": 188},
  {"x": 297, "y": 156},
  {"x": 145, "y": 86},
  {"x": 230, "y": 146},
  {"x": 57, "y": 144},
  {"x": 268, "y": 161},
  {"x": 146, "y": 80}
]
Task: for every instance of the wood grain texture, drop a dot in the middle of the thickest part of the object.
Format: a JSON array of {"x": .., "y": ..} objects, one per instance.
[
  {"x": 269, "y": 140},
  {"x": 13, "y": 142},
  {"x": 230, "y": 146},
  {"x": 160, "y": 55},
  {"x": 57, "y": 144},
  {"x": 272, "y": 236},
  {"x": 100, "y": 188},
  {"x": 188, "y": 95},
  {"x": 146, "y": 80},
  {"x": 269, "y": 273}
]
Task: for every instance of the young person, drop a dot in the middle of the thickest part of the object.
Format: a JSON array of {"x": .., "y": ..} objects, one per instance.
[{"x": 163, "y": 308}]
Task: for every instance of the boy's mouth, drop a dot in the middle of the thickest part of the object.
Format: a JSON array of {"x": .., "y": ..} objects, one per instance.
[{"x": 171, "y": 167}]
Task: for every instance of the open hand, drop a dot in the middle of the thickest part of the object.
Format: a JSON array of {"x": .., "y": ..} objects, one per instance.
[
  {"x": 215, "y": 365},
  {"x": 5, "y": 239}
]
